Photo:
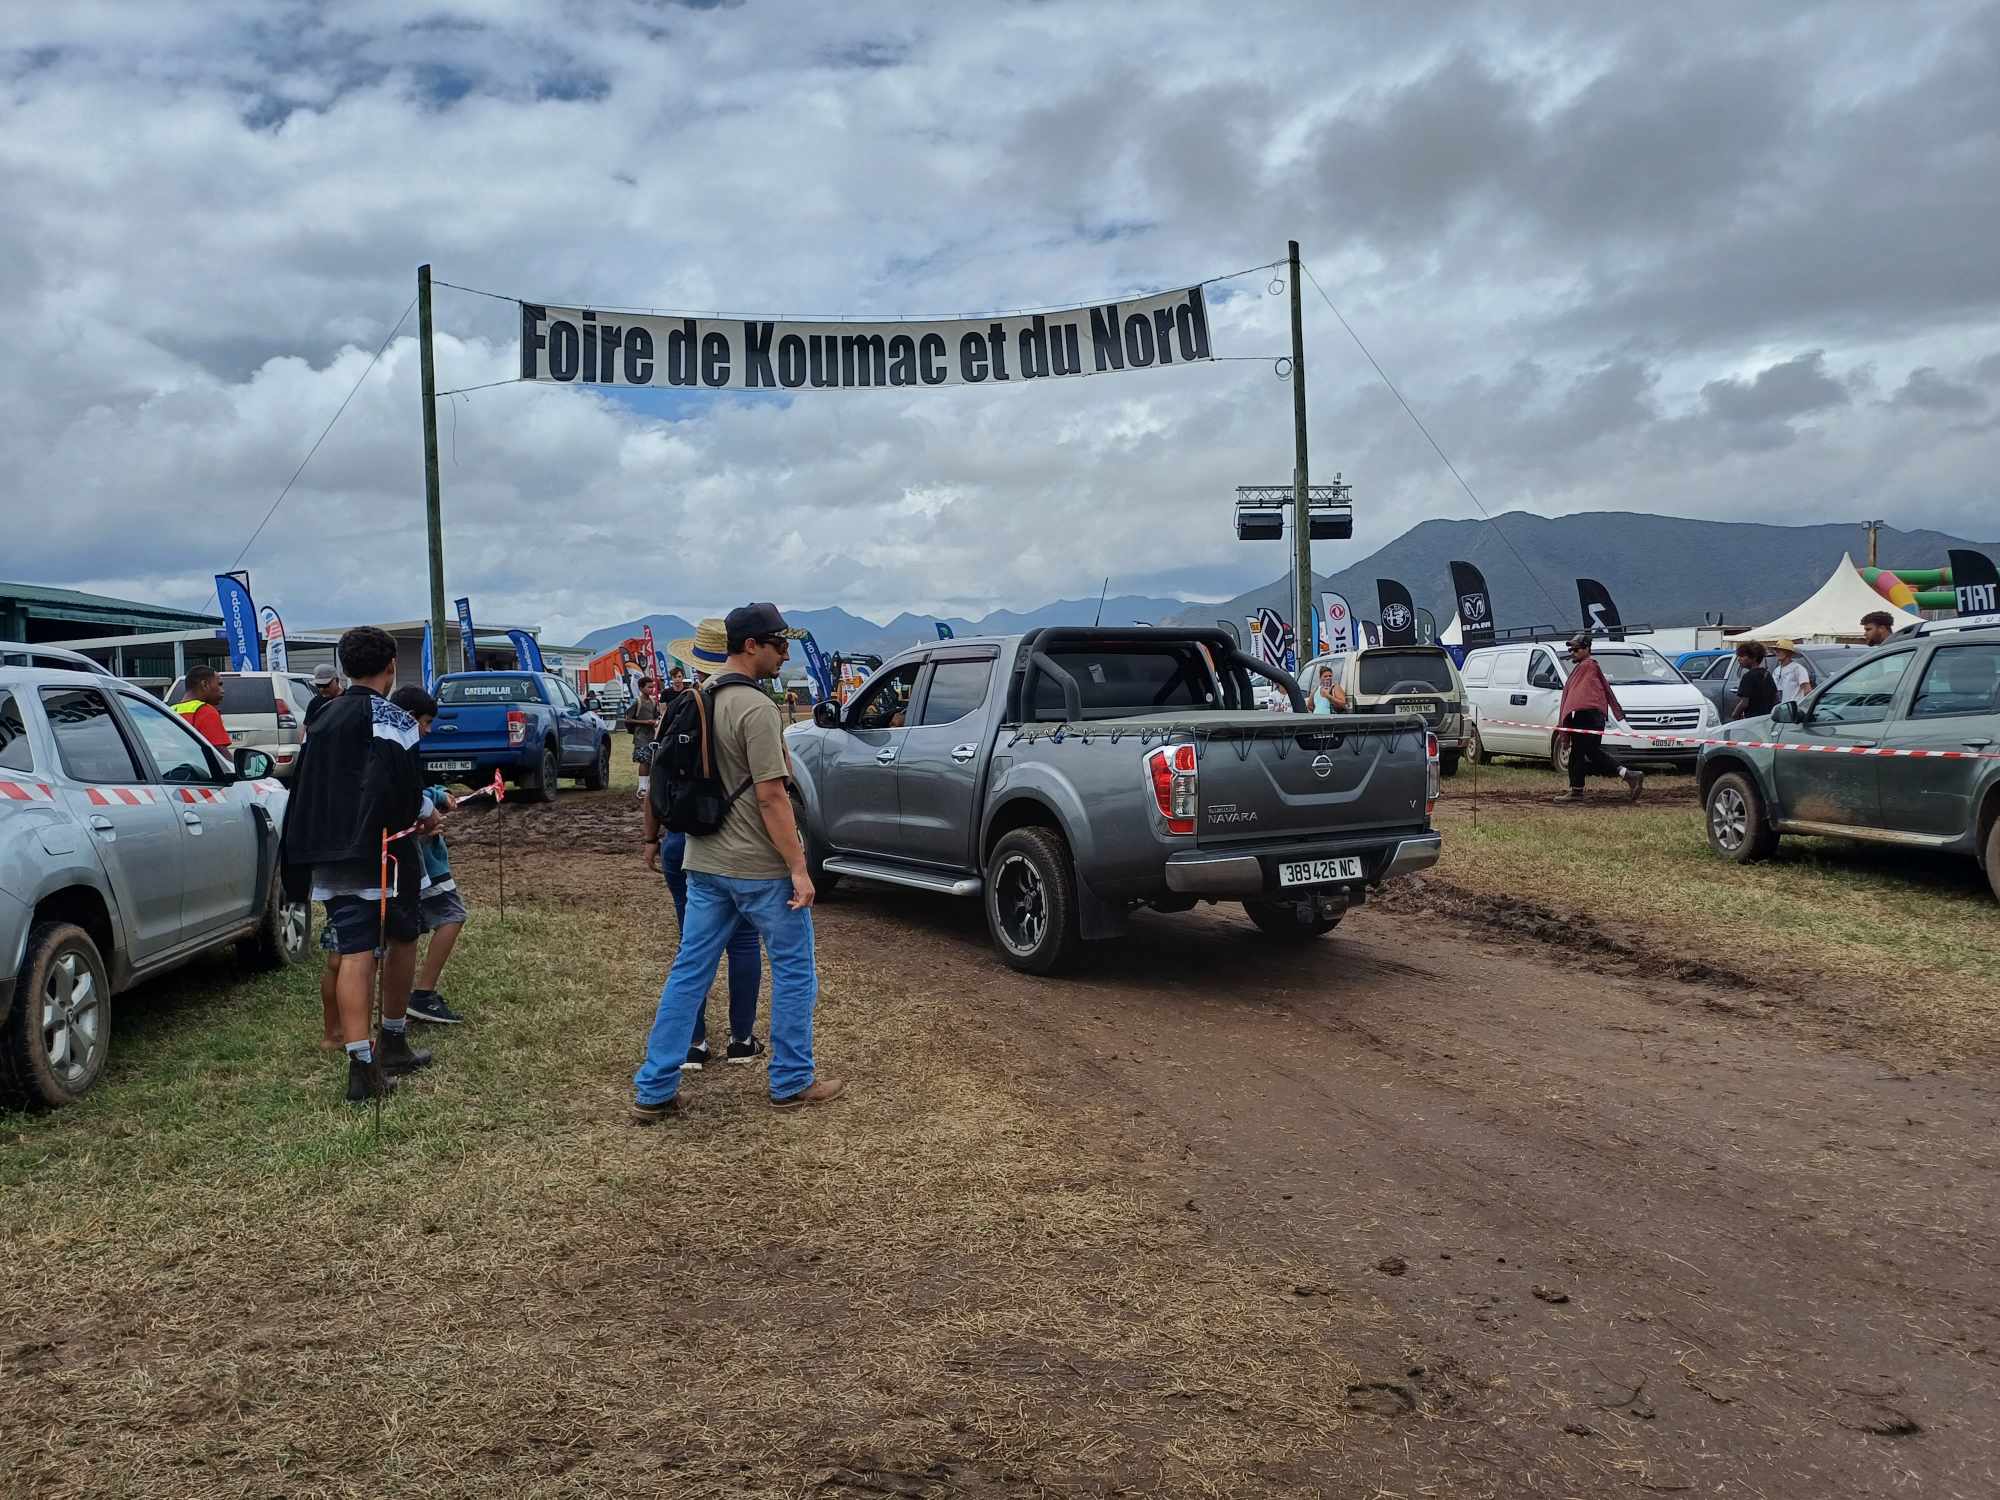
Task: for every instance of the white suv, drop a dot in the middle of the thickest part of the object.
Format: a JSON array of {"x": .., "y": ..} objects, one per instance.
[
  {"x": 264, "y": 710},
  {"x": 1513, "y": 693}
]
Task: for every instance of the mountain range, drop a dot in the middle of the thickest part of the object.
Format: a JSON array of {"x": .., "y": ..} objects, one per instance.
[
  {"x": 1662, "y": 570},
  {"x": 837, "y": 630}
]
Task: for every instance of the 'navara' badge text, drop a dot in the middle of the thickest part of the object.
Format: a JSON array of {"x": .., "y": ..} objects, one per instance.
[{"x": 1227, "y": 812}]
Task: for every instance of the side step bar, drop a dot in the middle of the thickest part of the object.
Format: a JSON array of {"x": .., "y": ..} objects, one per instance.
[{"x": 921, "y": 880}]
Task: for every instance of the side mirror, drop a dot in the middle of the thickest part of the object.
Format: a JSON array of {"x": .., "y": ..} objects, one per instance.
[
  {"x": 253, "y": 765},
  {"x": 826, "y": 715},
  {"x": 1787, "y": 713}
]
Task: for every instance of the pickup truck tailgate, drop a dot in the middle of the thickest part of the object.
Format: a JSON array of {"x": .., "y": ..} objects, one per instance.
[
  {"x": 475, "y": 729},
  {"x": 1285, "y": 776}
]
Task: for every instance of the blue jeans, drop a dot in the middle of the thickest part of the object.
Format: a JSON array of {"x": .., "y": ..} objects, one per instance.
[
  {"x": 716, "y": 904},
  {"x": 746, "y": 961}
]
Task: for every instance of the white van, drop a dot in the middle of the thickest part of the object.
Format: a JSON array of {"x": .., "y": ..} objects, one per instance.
[
  {"x": 1416, "y": 680},
  {"x": 1513, "y": 691}
]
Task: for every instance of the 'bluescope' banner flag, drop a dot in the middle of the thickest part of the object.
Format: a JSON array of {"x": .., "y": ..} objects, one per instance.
[
  {"x": 576, "y": 345},
  {"x": 239, "y": 622}
]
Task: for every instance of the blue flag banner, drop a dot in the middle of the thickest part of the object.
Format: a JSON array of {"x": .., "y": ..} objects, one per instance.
[
  {"x": 464, "y": 607},
  {"x": 239, "y": 622},
  {"x": 944, "y": 631},
  {"x": 817, "y": 669},
  {"x": 525, "y": 648},
  {"x": 430, "y": 674}
]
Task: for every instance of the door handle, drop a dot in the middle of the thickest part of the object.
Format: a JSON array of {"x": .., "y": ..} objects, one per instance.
[
  {"x": 886, "y": 757},
  {"x": 1519, "y": 700},
  {"x": 101, "y": 824},
  {"x": 193, "y": 820},
  {"x": 1976, "y": 744},
  {"x": 964, "y": 753}
]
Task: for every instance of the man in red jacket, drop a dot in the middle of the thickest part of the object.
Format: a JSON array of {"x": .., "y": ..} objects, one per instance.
[{"x": 1586, "y": 701}]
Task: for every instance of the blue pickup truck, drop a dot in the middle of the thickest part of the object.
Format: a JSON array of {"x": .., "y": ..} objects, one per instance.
[{"x": 529, "y": 726}]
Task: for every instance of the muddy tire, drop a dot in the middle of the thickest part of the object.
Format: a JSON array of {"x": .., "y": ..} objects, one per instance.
[
  {"x": 1288, "y": 920},
  {"x": 546, "y": 782},
  {"x": 1448, "y": 762},
  {"x": 1739, "y": 828},
  {"x": 284, "y": 935},
  {"x": 823, "y": 879},
  {"x": 53, "y": 1047},
  {"x": 1030, "y": 897},
  {"x": 1476, "y": 747},
  {"x": 598, "y": 777},
  {"x": 1993, "y": 857}
]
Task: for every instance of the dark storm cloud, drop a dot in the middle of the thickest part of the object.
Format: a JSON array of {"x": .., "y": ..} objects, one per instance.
[
  {"x": 1778, "y": 392},
  {"x": 1928, "y": 389}
]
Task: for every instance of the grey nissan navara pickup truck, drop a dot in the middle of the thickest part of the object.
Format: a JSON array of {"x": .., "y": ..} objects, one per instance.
[{"x": 1067, "y": 777}]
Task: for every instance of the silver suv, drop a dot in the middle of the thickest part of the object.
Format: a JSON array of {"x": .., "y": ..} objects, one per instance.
[
  {"x": 264, "y": 710},
  {"x": 127, "y": 847}
]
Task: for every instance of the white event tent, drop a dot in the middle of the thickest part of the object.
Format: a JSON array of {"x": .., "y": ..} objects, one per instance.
[{"x": 1832, "y": 614}]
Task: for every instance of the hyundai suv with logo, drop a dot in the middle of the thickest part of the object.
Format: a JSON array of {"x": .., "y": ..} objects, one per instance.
[
  {"x": 1418, "y": 680},
  {"x": 1068, "y": 777},
  {"x": 1515, "y": 692}
]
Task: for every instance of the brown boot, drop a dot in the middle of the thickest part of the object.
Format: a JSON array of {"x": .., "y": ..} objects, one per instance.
[
  {"x": 823, "y": 1091},
  {"x": 1572, "y": 795}
]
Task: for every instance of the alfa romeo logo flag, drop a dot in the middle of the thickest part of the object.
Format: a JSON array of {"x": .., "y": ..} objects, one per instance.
[{"x": 586, "y": 346}]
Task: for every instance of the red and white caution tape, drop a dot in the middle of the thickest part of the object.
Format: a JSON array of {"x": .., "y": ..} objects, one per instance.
[
  {"x": 1686, "y": 739},
  {"x": 26, "y": 791},
  {"x": 110, "y": 796}
]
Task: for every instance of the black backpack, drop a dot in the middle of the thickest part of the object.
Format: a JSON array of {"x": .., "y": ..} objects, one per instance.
[{"x": 681, "y": 782}]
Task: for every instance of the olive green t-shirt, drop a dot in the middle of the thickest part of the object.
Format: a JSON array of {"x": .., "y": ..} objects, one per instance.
[{"x": 749, "y": 742}]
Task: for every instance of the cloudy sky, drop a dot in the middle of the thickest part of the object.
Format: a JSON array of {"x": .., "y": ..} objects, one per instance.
[{"x": 1742, "y": 261}]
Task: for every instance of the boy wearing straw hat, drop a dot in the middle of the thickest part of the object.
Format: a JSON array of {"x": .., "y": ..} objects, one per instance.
[{"x": 753, "y": 866}]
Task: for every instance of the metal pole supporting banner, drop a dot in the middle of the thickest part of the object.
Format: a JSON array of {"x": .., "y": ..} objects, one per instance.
[
  {"x": 1302, "y": 579},
  {"x": 433, "y": 517}
]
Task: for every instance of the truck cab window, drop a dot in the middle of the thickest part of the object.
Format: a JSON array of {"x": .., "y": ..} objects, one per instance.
[
  {"x": 958, "y": 688},
  {"x": 887, "y": 704}
]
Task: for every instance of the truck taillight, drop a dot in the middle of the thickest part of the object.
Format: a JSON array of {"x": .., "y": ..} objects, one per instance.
[
  {"x": 517, "y": 726},
  {"x": 1431, "y": 783},
  {"x": 1174, "y": 771}
]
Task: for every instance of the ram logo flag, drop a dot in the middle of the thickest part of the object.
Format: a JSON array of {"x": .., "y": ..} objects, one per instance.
[
  {"x": 582, "y": 346},
  {"x": 1475, "y": 605}
]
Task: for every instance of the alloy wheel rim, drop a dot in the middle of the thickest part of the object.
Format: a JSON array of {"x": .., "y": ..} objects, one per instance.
[
  {"x": 1022, "y": 904},
  {"x": 1729, "y": 818},
  {"x": 71, "y": 1013}
]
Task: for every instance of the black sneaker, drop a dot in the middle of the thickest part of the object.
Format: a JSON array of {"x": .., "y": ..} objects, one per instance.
[
  {"x": 431, "y": 1007},
  {"x": 394, "y": 1052},
  {"x": 746, "y": 1051},
  {"x": 697, "y": 1058}
]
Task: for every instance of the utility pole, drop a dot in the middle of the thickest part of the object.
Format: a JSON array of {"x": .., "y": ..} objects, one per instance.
[
  {"x": 1871, "y": 527},
  {"x": 433, "y": 517},
  {"x": 1302, "y": 579}
]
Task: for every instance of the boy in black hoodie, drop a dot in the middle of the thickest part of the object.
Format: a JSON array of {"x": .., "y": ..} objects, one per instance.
[{"x": 358, "y": 779}]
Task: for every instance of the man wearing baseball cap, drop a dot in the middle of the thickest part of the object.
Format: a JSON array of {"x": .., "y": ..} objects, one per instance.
[
  {"x": 753, "y": 866},
  {"x": 326, "y": 688}
]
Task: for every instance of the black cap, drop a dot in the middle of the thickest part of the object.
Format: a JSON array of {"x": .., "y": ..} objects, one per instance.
[{"x": 746, "y": 621}]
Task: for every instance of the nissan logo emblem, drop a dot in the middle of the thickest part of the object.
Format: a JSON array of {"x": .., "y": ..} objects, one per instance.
[{"x": 1322, "y": 766}]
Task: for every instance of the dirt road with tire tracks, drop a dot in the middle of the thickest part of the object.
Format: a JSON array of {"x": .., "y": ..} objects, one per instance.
[{"x": 1634, "y": 1235}]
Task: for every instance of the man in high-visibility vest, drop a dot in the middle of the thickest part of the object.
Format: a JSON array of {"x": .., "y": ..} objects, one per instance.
[{"x": 204, "y": 692}]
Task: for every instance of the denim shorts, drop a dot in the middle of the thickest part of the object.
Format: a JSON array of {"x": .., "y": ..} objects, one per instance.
[
  {"x": 356, "y": 923},
  {"x": 443, "y": 909}
]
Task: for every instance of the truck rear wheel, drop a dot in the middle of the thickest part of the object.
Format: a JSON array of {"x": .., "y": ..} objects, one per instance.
[
  {"x": 282, "y": 937},
  {"x": 1739, "y": 829},
  {"x": 1030, "y": 896},
  {"x": 1291, "y": 921},
  {"x": 547, "y": 782},
  {"x": 1448, "y": 762},
  {"x": 53, "y": 1047},
  {"x": 598, "y": 777}
]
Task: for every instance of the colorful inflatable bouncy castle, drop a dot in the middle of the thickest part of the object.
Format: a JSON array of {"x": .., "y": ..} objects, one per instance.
[{"x": 1913, "y": 588}]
